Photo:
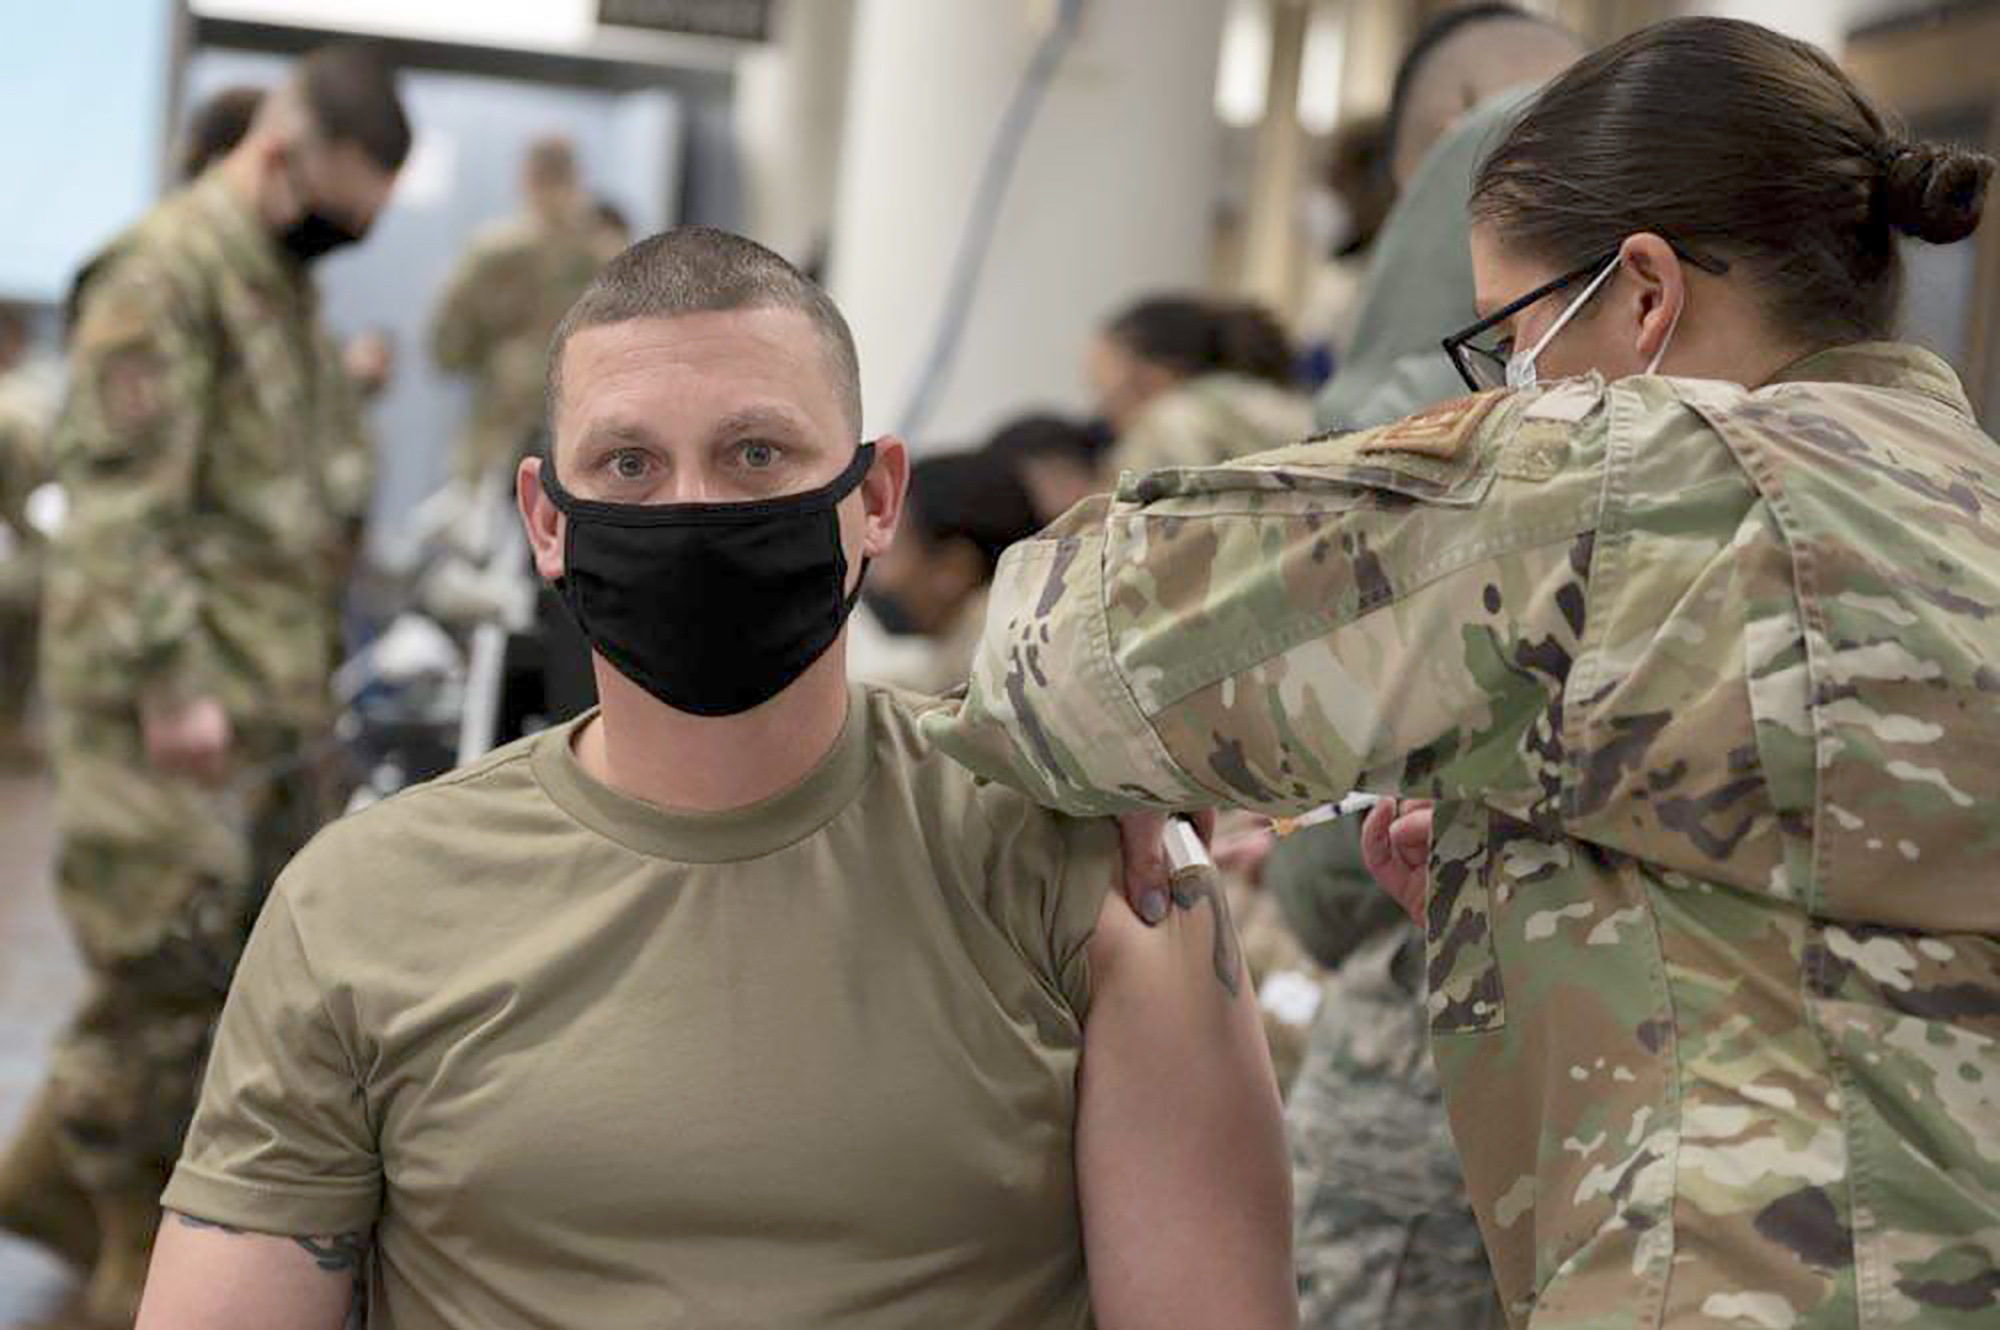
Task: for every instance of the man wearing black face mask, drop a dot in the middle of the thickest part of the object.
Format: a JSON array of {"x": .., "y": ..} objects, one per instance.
[
  {"x": 211, "y": 450},
  {"x": 730, "y": 1003}
]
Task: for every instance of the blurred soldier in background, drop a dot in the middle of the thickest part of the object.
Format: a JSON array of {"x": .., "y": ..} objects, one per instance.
[
  {"x": 1058, "y": 461},
  {"x": 27, "y": 402},
  {"x": 506, "y": 297},
  {"x": 206, "y": 448},
  {"x": 1190, "y": 381}
]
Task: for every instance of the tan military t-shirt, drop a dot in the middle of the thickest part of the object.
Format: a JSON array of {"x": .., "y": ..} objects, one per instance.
[{"x": 588, "y": 1063}]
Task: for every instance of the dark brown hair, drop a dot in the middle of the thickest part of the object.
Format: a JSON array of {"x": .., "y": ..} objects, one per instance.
[
  {"x": 697, "y": 269},
  {"x": 350, "y": 93},
  {"x": 1738, "y": 143},
  {"x": 1192, "y": 335},
  {"x": 218, "y": 125}
]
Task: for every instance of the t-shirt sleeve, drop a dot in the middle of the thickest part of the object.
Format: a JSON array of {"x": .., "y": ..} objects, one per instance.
[
  {"x": 1049, "y": 880},
  {"x": 281, "y": 1141}
]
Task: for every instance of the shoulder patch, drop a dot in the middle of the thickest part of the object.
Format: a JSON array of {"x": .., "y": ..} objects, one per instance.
[{"x": 1439, "y": 432}]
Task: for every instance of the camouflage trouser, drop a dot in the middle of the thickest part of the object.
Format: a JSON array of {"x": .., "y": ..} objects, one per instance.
[
  {"x": 1385, "y": 1237},
  {"x": 160, "y": 879}
]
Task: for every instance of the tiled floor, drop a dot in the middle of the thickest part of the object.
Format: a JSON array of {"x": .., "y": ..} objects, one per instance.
[{"x": 39, "y": 984}]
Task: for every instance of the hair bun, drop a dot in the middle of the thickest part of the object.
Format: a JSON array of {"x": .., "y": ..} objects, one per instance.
[{"x": 1934, "y": 191}]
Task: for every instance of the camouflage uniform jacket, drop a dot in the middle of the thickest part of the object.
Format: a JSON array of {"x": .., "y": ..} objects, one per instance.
[
  {"x": 1707, "y": 682},
  {"x": 500, "y": 308},
  {"x": 206, "y": 445},
  {"x": 1211, "y": 419}
]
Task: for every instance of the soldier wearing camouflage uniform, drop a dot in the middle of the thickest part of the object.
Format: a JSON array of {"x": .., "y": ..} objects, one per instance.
[
  {"x": 503, "y": 302},
  {"x": 206, "y": 448},
  {"x": 1187, "y": 381},
  {"x": 1700, "y": 670}
]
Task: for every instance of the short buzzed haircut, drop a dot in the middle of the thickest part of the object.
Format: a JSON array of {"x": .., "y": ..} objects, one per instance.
[
  {"x": 350, "y": 93},
  {"x": 698, "y": 269}
]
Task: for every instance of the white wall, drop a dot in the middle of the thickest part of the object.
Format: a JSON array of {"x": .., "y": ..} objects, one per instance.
[
  {"x": 1825, "y": 23},
  {"x": 1112, "y": 198},
  {"x": 790, "y": 108}
]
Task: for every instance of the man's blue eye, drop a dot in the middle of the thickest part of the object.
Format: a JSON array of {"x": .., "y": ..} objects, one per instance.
[
  {"x": 759, "y": 455},
  {"x": 629, "y": 466}
]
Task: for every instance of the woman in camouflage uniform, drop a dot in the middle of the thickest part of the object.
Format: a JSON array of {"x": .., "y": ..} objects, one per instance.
[{"x": 1697, "y": 650}]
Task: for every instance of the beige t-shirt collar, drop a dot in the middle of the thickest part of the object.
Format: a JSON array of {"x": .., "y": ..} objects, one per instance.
[{"x": 707, "y": 838}]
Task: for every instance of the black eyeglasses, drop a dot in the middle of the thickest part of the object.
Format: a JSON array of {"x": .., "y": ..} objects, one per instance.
[{"x": 1484, "y": 365}]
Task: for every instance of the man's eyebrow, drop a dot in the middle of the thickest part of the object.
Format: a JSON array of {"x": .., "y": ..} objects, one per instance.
[
  {"x": 616, "y": 431},
  {"x": 756, "y": 419}
]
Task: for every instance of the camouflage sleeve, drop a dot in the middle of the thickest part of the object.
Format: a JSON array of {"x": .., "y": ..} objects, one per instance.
[
  {"x": 461, "y": 336},
  {"x": 1395, "y": 609},
  {"x": 127, "y": 451}
]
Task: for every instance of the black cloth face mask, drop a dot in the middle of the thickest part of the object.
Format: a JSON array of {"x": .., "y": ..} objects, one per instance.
[
  {"x": 316, "y": 235},
  {"x": 713, "y": 608}
]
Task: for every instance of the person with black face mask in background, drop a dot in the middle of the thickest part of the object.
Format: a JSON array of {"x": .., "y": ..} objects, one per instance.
[
  {"x": 728, "y": 1003},
  {"x": 205, "y": 448}
]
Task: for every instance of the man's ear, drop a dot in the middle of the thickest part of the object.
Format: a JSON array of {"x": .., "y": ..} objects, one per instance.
[
  {"x": 541, "y": 517},
  {"x": 882, "y": 492},
  {"x": 1659, "y": 289}
]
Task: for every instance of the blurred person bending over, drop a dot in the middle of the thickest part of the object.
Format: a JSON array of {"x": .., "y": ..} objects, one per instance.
[
  {"x": 1191, "y": 381},
  {"x": 1465, "y": 77},
  {"x": 1692, "y": 629},
  {"x": 185, "y": 643},
  {"x": 503, "y": 302},
  {"x": 963, "y": 510},
  {"x": 731, "y": 1002}
]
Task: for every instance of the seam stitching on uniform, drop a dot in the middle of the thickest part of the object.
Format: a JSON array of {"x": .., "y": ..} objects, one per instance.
[
  {"x": 1121, "y": 686},
  {"x": 340, "y": 1041},
  {"x": 1867, "y": 1283},
  {"x": 1607, "y": 548},
  {"x": 1206, "y": 671}
]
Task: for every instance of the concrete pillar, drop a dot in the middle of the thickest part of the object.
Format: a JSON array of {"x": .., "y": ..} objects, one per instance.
[
  {"x": 1272, "y": 260},
  {"x": 790, "y": 101},
  {"x": 1112, "y": 196}
]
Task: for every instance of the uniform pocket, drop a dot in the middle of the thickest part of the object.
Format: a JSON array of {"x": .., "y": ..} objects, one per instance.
[{"x": 1465, "y": 992}]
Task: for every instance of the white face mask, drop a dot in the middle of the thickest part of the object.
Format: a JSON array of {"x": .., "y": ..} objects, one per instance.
[{"x": 1521, "y": 365}]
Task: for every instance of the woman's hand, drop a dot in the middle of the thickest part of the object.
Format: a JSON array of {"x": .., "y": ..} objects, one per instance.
[{"x": 1396, "y": 847}]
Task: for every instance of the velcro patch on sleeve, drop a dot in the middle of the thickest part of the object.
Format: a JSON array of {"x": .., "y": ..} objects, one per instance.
[{"x": 1440, "y": 432}]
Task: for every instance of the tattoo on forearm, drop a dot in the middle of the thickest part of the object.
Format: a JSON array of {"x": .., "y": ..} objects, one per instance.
[
  {"x": 1189, "y": 888},
  {"x": 189, "y": 1221}
]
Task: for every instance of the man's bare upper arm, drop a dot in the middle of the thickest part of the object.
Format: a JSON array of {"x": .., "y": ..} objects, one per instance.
[
  {"x": 1182, "y": 1171},
  {"x": 208, "y": 1276}
]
